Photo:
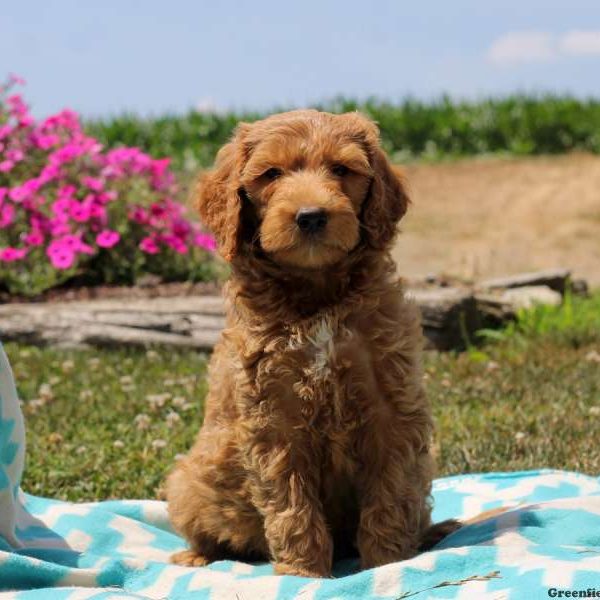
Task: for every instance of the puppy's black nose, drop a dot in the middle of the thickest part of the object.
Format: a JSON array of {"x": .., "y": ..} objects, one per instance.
[{"x": 311, "y": 220}]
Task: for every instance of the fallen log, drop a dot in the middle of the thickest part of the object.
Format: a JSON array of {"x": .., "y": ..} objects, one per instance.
[{"x": 555, "y": 279}]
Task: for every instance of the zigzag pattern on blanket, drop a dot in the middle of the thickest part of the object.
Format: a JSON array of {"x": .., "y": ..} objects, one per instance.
[{"x": 549, "y": 537}]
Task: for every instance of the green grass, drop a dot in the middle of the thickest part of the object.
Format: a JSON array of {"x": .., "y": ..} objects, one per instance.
[
  {"x": 96, "y": 420},
  {"x": 575, "y": 323},
  {"x": 530, "y": 399},
  {"x": 519, "y": 124}
]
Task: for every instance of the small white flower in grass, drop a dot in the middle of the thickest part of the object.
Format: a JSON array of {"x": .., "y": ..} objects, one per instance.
[
  {"x": 172, "y": 419},
  {"x": 520, "y": 436},
  {"x": 188, "y": 406},
  {"x": 178, "y": 401},
  {"x": 492, "y": 365},
  {"x": 593, "y": 356},
  {"x": 86, "y": 394},
  {"x": 126, "y": 380},
  {"x": 81, "y": 450},
  {"x": 179, "y": 456},
  {"x": 67, "y": 366},
  {"x": 142, "y": 421},
  {"x": 159, "y": 444},
  {"x": 94, "y": 362},
  {"x": 45, "y": 391},
  {"x": 35, "y": 404},
  {"x": 54, "y": 380},
  {"x": 169, "y": 382},
  {"x": 119, "y": 444},
  {"x": 157, "y": 400},
  {"x": 595, "y": 411}
]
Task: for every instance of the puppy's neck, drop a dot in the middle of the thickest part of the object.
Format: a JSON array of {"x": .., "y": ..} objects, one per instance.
[{"x": 267, "y": 292}]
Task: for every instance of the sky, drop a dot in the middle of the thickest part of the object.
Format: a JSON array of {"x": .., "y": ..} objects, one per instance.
[{"x": 151, "y": 57}]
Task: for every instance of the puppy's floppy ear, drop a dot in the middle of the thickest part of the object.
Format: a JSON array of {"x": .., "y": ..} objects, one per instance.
[
  {"x": 387, "y": 200},
  {"x": 217, "y": 195}
]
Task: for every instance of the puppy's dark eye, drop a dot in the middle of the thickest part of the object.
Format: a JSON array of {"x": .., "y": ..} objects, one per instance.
[
  {"x": 340, "y": 170},
  {"x": 272, "y": 173}
]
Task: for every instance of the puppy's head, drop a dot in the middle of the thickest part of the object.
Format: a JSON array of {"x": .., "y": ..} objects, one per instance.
[{"x": 304, "y": 187}]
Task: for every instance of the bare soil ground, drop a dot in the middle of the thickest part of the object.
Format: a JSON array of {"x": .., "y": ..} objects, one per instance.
[{"x": 492, "y": 217}]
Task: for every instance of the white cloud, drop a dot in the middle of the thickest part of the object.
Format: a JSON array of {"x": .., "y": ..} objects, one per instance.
[
  {"x": 580, "y": 43},
  {"x": 518, "y": 47},
  {"x": 522, "y": 47}
]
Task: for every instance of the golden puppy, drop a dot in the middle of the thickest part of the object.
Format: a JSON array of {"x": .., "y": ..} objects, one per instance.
[{"x": 317, "y": 433}]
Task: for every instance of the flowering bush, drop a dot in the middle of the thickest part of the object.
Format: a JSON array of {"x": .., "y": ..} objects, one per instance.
[{"x": 69, "y": 208}]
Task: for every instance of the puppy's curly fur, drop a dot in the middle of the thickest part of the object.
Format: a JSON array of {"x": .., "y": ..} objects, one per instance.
[{"x": 316, "y": 438}]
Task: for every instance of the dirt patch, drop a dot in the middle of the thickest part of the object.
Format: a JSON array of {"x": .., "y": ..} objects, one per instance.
[{"x": 484, "y": 218}]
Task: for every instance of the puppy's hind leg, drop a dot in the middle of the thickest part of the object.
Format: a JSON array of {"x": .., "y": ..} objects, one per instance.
[
  {"x": 436, "y": 532},
  {"x": 189, "y": 508}
]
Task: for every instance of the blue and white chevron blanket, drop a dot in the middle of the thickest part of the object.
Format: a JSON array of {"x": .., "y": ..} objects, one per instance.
[{"x": 546, "y": 544}]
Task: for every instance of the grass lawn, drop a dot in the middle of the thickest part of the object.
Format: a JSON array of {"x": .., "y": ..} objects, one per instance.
[{"x": 108, "y": 424}]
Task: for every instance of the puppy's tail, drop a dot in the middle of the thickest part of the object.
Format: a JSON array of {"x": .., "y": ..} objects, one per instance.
[{"x": 435, "y": 533}]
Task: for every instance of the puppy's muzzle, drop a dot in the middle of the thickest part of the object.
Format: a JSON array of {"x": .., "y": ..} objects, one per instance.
[{"x": 311, "y": 221}]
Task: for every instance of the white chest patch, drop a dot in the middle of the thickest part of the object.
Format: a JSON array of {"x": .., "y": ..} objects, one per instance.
[
  {"x": 322, "y": 338},
  {"x": 319, "y": 341}
]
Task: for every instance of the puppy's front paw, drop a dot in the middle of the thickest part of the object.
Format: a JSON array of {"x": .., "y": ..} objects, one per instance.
[
  {"x": 189, "y": 558},
  {"x": 301, "y": 571}
]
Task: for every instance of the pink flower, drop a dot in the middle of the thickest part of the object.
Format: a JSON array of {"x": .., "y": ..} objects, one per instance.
[
  {"x": 157, "y": 211},
  {"x": 85, "y": 249},
  {"x": 61, "y": 258},
  {"x": 67, "y": 191},
  {"x": 181, "y": 228},
  {"x": 34, "y": 238},
  {"x": 79, "y": 212},
  {"x": 15, "y": 80},
  {"x": 44, "y": 142},
  {"x": 93, "y": 183},
  {"x": 97, "y": 211},
  {"x": 106, "y": 197},
  {"x": 77, "y": 194},
  {"x": 17, "y": 108},
  {"x": 26, "y": 121},
  {"x": 107, "y": 238},
  {"x": 70, "y": 242},
  {"x": 175, "y": 243},
  {"x": 149, "y": 246},
  {"x": 62, "y": 251},
  {"x": 15, "y": 155},
  {"x": 49, "y": 172},
  {"x": 62, "y": 206},
  {"x": 10, "y": 254},
  {"x": 25, "y": 190},
  {"x": 7, "y": 215},
  {"x": 59, "y": 225},
  {"x": 203, "y": 240},
  {"x": 139, "y": 215}
]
